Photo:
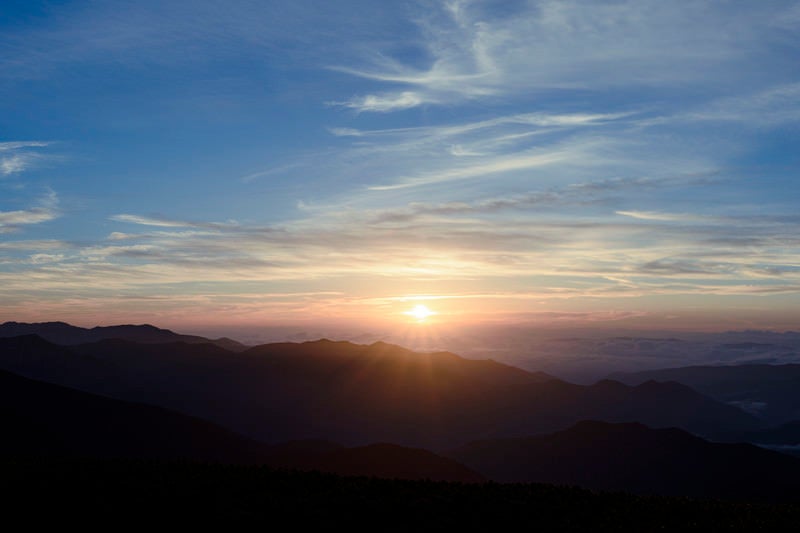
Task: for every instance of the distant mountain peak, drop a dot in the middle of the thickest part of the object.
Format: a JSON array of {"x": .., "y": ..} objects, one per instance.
[
  {"x": 66, "y": 334},
  {"x": 133, "y": 326}
]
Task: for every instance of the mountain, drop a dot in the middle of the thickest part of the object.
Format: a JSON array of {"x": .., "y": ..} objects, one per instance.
[
  {"x": 632, "y": 457},
  {"x": 376, "y": 460},
  {"x": 784, "y": 438},
  {"x": 358, "y": 394},
  {"x": 771, "y": 392},
  {"x": 66, "y": 334},
  {"x": 785, "y": 434},
  {"x": 44, "y": 419},
  {"x": 586, "y": 355}
]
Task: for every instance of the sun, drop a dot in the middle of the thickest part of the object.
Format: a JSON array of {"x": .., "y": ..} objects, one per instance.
[{"x": 420, "y": 312}]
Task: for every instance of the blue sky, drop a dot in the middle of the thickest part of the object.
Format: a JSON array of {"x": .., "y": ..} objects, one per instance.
[{"x": 204, "y": 163}]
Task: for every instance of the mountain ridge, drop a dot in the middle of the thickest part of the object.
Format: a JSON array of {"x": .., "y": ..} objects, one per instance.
[
  {"x": 358, "y": 394},
  {"x": 46, "y": 421},
  {"x": 67, "y": 334},
  {"x": 633, "y": 457}
]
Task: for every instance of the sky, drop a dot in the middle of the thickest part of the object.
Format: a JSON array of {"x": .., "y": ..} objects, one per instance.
[{"x": 263, "y": 163}]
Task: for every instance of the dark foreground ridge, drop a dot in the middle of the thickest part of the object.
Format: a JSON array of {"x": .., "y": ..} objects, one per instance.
[
  {"x": 111, "y": 493},
  {"x": 632, "y": 457},
  {"x": 46, "y": 421}
]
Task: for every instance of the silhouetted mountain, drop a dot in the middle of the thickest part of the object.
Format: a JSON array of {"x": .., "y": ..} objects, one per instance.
[
  {"x": 771, "y": 392},
  {"x": 657, "y": 404},
  {"x": 376, "y": 460},
  {"x": 66, "y": 334},
  {"x": 33, "y": 357},
  {"x": 784, "y": 438},
  {"x": 358, "y": 394},
  {"x": 632, "y": 457},
  {"x": 784, "y": 435},
  {"x": 299, "y": 454},
  {"x": 44, "y": 419}
]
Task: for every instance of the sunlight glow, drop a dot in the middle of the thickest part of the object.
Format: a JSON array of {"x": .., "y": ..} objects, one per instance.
[{"x": 420, "y": 312}]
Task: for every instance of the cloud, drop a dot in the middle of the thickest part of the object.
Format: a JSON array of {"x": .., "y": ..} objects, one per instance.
[
  {"x": 499, "y": 165},
  {"x": 548, "y": 256},
  {"x": 665, "y": 217},
  {"x": 474, "y": 50},
  {"x": 15, "y": 163},
  {"x": 575, "y": 194},
  {"x": 15, "y": 157},
  {"x": 510, "y": 150},
  {"x": 47, "y": 210},
  {"x": 249, "y": 178},
  {"x": 443, "y": 247},
  {"x": 168, "y": 223},
  {"x": 671, "y": 267},
  {"x": 772, "y": 106},
  {"x": 536, "y": 119},
  {"x": 35, "y": 215},
  {"x": 39, "y": 259},
  {"x": 16, "y": 145},
  {"x": 45, "y": 244},
  {"x": 382, "y": 103}
]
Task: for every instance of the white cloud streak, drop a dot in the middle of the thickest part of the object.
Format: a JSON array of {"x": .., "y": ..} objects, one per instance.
[
  {"x": 561, "y": 44},
  {"x": 11, "y": 221},
  {"x": 664, "y": 217},
  {"x": 500, "y": 165},
  {"x": 382, "y": 103},
  {"x": 15, "y": 157},
  {"x": 169, "y": 223}
]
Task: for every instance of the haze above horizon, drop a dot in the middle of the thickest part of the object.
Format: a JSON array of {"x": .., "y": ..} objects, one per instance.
[{"x": 421, "y": 164}]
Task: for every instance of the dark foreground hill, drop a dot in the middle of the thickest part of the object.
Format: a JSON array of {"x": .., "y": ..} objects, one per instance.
[
  {"x": 66, "y": 334},
  {"x": 357, "y": 394},
  {"x": 632, "y": 457},
  {"x": 381, "y": 460},
  {"x": 44, "y": 420},
  {"x": 111, "y": 494}
]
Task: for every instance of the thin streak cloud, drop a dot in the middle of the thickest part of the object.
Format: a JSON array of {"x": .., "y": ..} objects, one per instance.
[{"x": 167, "y": 223}]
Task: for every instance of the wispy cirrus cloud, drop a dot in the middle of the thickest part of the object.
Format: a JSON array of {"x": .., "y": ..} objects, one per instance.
[
  {"x": 34, "y": 245},
  {"x": 170, "y": 223},
  {"x": 536, "y": 120},
  {"x": 16, "y": 157},
  {"x": 382, "y": 103},
  {"x": 474, "y": 52},
  {"x": 665, "y": 217},
  {"x": 772, "y": 106},
  {"x": 499, "y": 165},
  {"x": 501, "y": 146},
  {"x": 554, "y": 198},
  {"x": 12, "y": 221},
  {"x": 16, "y": 145}
]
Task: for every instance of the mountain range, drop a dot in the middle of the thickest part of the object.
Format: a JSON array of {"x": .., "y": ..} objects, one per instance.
[
  {"x": 357, "y": 394},
  {"x": 378, "y": 409},
  {"x": 42, "y": 420},
  {"x": 771, "y": 392},
  {"x": 46, "y": 421},
  {"x": 67, "y": 334},
  {"x": 634, "y": 458}
]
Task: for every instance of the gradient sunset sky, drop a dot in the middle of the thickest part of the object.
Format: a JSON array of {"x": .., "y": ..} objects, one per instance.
[{"x": 256, "y": 162}]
